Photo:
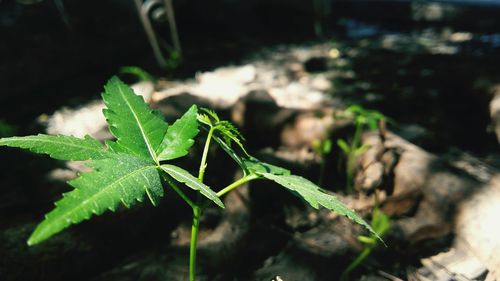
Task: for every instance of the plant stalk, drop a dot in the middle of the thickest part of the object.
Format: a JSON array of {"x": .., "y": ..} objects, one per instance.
[
  {"x": 197, "y": 210},
  {"x": 176, "y": 188},
  {"x": 237, "y": 183},
  {"x": 357, "y": 136},
  {"x": 359, "y": 259},
  {"x": 203, "y": 164},
  {"x": 194, "y": 240},
  {"x": 351, "y": 157}
]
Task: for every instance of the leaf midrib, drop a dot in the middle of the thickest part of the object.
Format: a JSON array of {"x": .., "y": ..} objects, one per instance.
[
  {"x": 166, "y": 146},
  {"x": 146, "y": 139},
  {"x": 197, "y": 183},
  {"x": 39, "y": 139}
]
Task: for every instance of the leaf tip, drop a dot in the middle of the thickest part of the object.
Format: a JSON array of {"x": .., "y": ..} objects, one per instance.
[
  {"x": 34, "y": 238},
  {"x": 114, "y": 79},
  {"x": 220, "y": 204},
  {"x": 31, "y": 241}
]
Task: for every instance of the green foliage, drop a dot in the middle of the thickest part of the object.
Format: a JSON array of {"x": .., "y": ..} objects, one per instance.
[
  {"x": 137, "y": 129},
  {"x": 226, "y": 129},
  {"x": 60, "y": 147},
  {"x": 128, "y": 169},
  {"x": 208, "y": 117},
  {"x": 303, "y": 188},
  {"x": 179, "y": 136},
  {"x": 364, "y": 116},
  {"x": 344, "y": 146},
  {"x": 381, "y": 224},
  {"x": 255, "y": 166},
  {"x": 174, "y": 60},
  {"x": 6, "y": 129},
  {"x": 138, "y": 72},
  {"x": 322, "y": 148},
  {"x": 184, "y": 176},
  {"x": 124, "y": 172},
  {"x": 316, "y": 197},
  {"x": 299, "y": 186},
  {"x": 352, "y": 149},
  {"x": 122, "y": 179}
]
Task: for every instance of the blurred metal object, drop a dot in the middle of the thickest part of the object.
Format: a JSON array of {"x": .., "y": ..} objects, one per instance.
[
  {"x": 158, "y": 9},
  {"x": 173, "y": 25}
]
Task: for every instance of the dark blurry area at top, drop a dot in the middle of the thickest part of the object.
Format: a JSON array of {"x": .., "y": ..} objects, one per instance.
[{"x": 60, "y": 52}]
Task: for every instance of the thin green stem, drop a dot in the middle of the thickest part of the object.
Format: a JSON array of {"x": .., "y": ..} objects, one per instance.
[
  {"x": 355, "y": 263},
  {"x": 176, "y": 188},
  {"x": 203, "y": 163},
  {"x": 197, "y": 210},
  {"x": 351, "y": 157},
  {"x": 194, "y": 240},
  {"x": 357, "y": 136},
  {"x": 237, "y": 183}
]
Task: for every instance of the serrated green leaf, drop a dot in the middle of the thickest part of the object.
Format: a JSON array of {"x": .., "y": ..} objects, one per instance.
[
  {"x": 185, "y": 177},
  {"x": 256, "y": 166},
  {"x": 208, "y": 113},
  {"x": 230, "y": 133},
  {"x": 179, "y": 136},
  {"x": 137, "y": 129},
  {"x": 203, "y": 118},
  {"x": 250, "y": 164},
  {"x": 225, "y": 129},
  {"x": 123, "y": 178},
  {"x": 59, "y": 147},
  {"x": 316, "y": 197},
  {"x": 235, "y": 156}
]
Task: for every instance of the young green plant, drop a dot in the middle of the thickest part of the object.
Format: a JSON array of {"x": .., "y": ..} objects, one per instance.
[
  {"x": 131, "y": 167},
  {"x": 139, "y": 73},
  {"x": 381, "y": 223},
  {"x": 352, "y": 149},
  {"x": 322, "y": 147},
  {"x": 6, "y": 129}
]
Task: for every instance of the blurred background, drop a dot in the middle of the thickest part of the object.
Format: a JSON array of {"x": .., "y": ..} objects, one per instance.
[{"x": 431, "y": 67}]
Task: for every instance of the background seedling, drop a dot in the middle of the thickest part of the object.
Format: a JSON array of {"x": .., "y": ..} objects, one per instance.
[
  {"x": 131, "y": 168},
  {"x": 381, "y": 223},
  {"x": 6, "y": 129},
  {"x": 138, "y": 72},
  {"x": 322, "y": 148},
  {"x": 363, "y": 119}
]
